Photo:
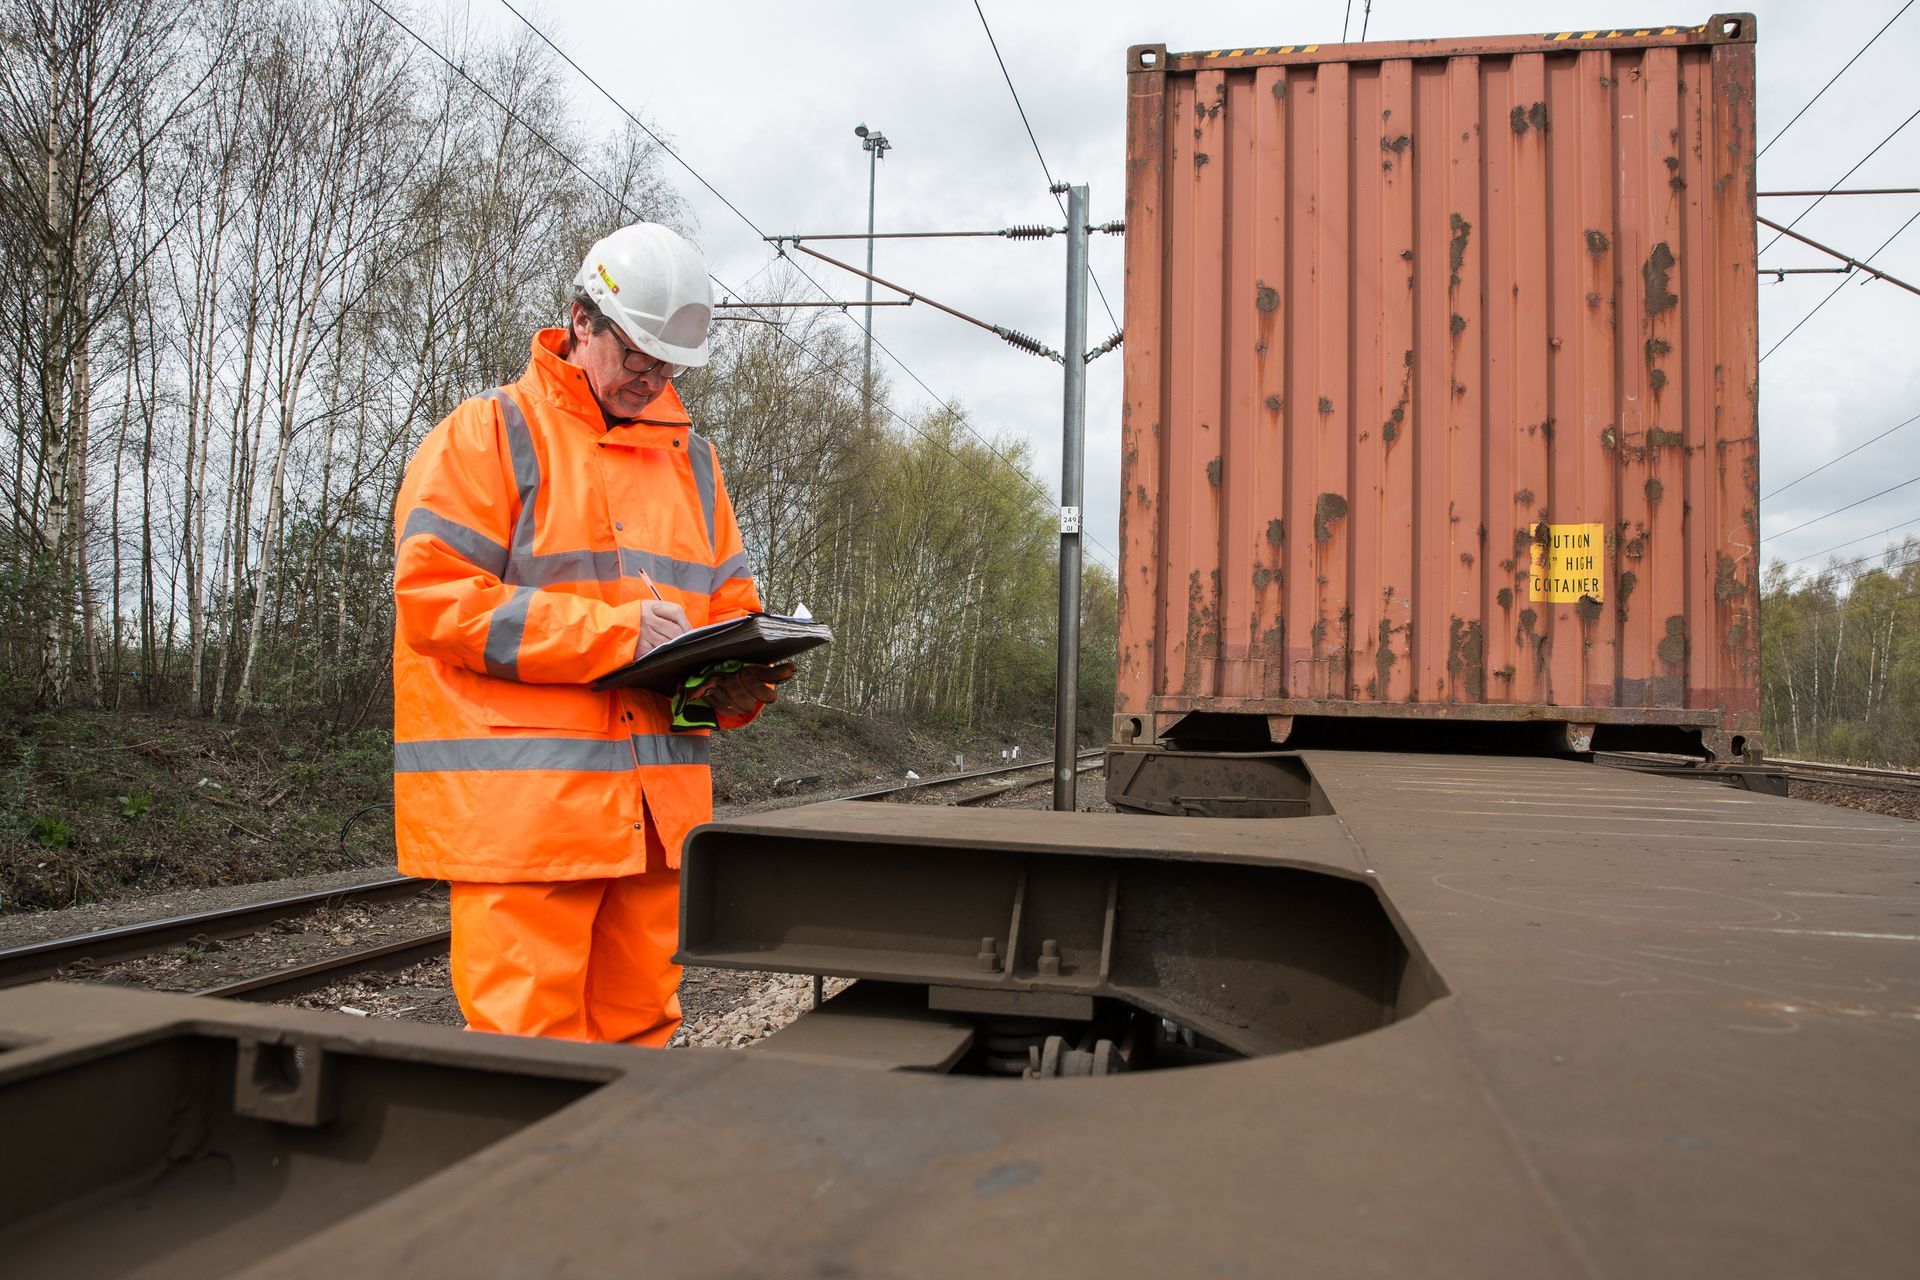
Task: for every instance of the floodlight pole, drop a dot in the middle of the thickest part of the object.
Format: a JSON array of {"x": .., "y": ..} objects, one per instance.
[{"x": 876, "y": 145}]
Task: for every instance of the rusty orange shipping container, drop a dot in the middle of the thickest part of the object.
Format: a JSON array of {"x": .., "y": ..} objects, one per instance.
[{"x": 1441, "y": 387}]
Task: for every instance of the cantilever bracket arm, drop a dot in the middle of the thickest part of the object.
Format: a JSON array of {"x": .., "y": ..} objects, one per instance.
[
  {"x": 1849, "y": 259},
  {"x": 1012, "y": 337}
]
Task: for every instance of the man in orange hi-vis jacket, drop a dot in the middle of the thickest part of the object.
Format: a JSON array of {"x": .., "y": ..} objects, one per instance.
[{"x": 549, "y": 532}]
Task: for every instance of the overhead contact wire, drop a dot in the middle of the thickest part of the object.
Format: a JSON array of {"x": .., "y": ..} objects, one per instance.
[
  {"x": 1842, "y": 458},
  {"x": 1850, "y": 541},
  {"x": 1836, "y": 511},
  {"x": 1037, "y": 154},
  {"x": 1842, "y": 179},
  {"x": 1836, "y": 75}
]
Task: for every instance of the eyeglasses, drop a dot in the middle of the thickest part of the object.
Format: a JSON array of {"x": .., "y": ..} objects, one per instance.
[{"x": 647, "y": 364}]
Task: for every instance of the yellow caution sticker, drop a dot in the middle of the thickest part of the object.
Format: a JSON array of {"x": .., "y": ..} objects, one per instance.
[
  {"x": 607, "y": 279},
  {"x": 1569, "y": 563}
]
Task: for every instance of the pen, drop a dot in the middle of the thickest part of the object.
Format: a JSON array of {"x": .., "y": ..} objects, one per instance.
[{"x": 656, "y": 591}]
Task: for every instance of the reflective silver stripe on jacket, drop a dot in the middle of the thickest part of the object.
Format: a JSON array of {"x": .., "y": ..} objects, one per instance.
[
  {"x": 575, "y": 755},
  {"x": 476, "y": 548},
  {"x": 505, "y": 630},
  {"x": 523, "y": 567},
  {"x": 526, "y": 471},
  {"x": 734, "y": 566},
  {"x": 700, "y": 454}
]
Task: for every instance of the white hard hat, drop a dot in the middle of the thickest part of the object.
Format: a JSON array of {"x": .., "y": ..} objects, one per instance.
[{"x": 653, "y": 285}]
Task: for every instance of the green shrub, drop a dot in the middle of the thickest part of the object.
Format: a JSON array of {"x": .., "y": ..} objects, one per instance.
[{"x": 51, "y": 831}]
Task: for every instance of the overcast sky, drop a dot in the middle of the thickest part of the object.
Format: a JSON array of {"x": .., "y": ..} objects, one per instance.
[{"x": 761, "y": 98}]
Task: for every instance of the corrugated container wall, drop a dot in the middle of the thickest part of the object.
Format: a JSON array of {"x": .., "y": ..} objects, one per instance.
[{"x": 1441, "y": 383}]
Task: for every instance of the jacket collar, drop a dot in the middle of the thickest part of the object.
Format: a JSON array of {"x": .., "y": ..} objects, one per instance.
[{"x": 557, "y": 385}]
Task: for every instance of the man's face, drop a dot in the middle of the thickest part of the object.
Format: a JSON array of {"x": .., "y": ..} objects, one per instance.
[{"x": 623, "y": 379}]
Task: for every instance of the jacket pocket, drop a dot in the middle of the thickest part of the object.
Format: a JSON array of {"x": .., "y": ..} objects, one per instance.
[{"x": 509, "y": 704}]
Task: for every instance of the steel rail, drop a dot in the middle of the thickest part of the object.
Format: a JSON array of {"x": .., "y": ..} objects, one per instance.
[
  {"x": 35, "y": 961},
  {"x": 995, "y": 790},
  {"x": 281, "y": 984},
  {"x": 1815, "y": 771},
  {"x": 923, "y": 784},
  {"x": 1850, "y": 774}
]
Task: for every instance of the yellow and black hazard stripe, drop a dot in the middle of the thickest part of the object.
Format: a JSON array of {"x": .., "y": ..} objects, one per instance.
[
  {"x": 1552, "y": 37},
  {"x": 1260, "y": 53},
  {"x": 1640, "y": 33}
]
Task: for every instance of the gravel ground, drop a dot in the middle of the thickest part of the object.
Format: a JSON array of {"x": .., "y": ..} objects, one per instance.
[
  {"x": 724, "y": 1008},
  {"x": 1903, "y": 803}
]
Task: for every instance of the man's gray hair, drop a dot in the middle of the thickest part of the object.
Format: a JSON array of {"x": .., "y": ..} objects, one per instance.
[{"x": 601, "y": 324}]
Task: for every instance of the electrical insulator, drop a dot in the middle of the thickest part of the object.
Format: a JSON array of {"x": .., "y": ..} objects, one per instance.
[
  {"x": 1032, "y": 346},
  {"x": 1029, "y": 233}
]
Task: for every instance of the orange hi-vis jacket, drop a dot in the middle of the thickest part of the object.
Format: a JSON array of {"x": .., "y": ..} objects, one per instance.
[{"x": 525, "y": 525}]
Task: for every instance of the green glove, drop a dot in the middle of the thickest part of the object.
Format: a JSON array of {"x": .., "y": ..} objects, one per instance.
[{"x": 690, "y": 713}]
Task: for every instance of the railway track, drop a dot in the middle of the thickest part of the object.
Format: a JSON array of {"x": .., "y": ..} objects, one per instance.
[
  {"x": 35, "y": 962},
  {"x": 1008, "y": 782},
  {"x": 1851, "y": 775},
  {"x": 1794, "y": 770}
]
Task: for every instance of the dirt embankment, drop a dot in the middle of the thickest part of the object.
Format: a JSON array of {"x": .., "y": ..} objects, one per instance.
[{"x": 98, "y": 806}]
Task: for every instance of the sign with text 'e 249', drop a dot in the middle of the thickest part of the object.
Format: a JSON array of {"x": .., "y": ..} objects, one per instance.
[{"x": 1569, "y": 563}]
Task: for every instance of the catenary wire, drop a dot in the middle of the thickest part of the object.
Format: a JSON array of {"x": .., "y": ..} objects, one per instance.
[
  {"x": 891, "y": 355},
  {"x": 1017, "y": 106},
  {"x": 1836, "y": 75},
  {"x": 1843, "y": 283},
  {"x": 1837, "y": 510},
  {"x": 1841, "y": 180},
  {"x": 621, "y": 202},
  {"x": 1346, "y": 18},
  {"x": 1366, "y": 17},
  {"x": 1842, "y": 458},
  {"x": 1846, "y": 565},
  {"x": 1850, "y": 541}
]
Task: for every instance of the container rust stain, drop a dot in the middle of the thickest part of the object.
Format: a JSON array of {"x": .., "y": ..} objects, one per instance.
[{"x": 1359, "y": 406}]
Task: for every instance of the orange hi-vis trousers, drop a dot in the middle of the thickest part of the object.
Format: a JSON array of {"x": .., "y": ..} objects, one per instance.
[{"x": 571, "y": 959}]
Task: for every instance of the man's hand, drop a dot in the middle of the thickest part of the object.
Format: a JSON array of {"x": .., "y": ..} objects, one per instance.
[
  {"x": 660, "y": 621},
  {"x": 746, "y": 690}
]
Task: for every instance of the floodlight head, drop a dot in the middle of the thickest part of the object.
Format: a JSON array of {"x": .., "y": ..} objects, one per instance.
[{"x": 859, "y": 131}]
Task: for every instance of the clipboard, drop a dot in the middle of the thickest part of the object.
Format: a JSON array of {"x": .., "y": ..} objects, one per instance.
[{"x": 763, "y": 638}]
